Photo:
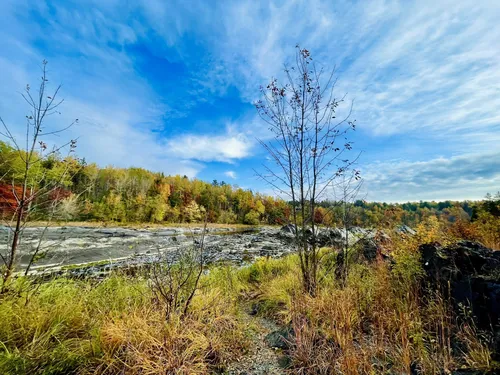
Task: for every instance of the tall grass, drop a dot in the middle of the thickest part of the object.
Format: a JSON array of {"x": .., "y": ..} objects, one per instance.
[
  {"x": 271, "y": 285},
  {"x": 113, "y": 327},
  {"x": 379, "y": 321}
]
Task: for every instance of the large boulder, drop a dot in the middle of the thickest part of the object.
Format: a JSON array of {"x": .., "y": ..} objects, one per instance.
[
  {"x": 322, "y": 237},
  {"x": 368, "y": 249},
  {"x": 287, "y": 233},
  {"x": 333, "y": 237},
  {"x": 470, "y": 273}
]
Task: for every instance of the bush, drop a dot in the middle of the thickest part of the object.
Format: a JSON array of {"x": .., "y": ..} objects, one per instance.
[{"x": 252, "y": 218}]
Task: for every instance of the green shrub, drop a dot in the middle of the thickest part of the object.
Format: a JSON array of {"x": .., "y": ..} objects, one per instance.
[{"x": 252, "y": 218}]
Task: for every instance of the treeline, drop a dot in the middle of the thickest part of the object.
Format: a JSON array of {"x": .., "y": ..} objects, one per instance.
[
  {"x": 138, "y": 195},
  {"x": 381, "y": 214},
  {"x": 88, "y": 192},
  {"x": 472, "y": 220}
]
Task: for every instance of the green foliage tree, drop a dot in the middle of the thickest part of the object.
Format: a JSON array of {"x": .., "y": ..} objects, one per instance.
[
  {"x": 193, "y": 212},
  {"x": 158, "y": 207}
]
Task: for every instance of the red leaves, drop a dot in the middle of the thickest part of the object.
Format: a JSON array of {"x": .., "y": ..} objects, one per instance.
[{"x": 8, "y": 202}]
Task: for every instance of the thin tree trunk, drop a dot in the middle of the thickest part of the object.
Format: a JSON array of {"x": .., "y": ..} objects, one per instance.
[{"x": 15, "y": 241}]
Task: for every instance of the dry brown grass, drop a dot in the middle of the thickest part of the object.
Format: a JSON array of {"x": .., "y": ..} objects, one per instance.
[
  {"x": 143, "y": 343},
  {"x": 370, "y": 327}
]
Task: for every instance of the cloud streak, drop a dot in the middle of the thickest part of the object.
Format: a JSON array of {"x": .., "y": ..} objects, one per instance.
[{"x": 459, "y": 177}]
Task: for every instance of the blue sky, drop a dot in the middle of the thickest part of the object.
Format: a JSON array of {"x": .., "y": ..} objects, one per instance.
[{"x": 169, "y": 85}]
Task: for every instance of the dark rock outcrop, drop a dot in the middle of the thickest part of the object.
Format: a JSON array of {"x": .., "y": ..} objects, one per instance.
[
  {"x": 470, "y": 274},
  {"x": 368, "y": 249},
  {"x": 288, "y": 229},
  {"x": 331, "y": 237}
]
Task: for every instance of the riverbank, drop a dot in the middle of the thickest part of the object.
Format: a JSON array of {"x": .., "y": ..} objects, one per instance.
[
  {"x": 253, "y": 319},
  {"x": 114, "y": 224}
]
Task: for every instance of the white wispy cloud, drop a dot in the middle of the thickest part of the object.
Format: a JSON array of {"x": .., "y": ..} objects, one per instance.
[
  {"x": 468, "y": 176},
  {"x": 436, "y": 69},
  {"x": 231, "y": 174},
  {"x": 223, "y": 148},
  {"x": 409, "y": 66},
  {"x": 414, "y": 69}
]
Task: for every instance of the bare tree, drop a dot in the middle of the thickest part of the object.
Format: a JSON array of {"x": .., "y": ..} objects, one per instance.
[
  {"x": 33, "y": 189},
  {"x": 309, "y": 148}
]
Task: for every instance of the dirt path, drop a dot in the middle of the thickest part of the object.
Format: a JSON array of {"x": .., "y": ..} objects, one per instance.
[{"x": 262, "y": 359}]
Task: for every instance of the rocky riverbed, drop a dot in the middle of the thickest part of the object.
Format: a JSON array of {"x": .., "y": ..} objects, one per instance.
[
  {"x": 90, "y": 250},
  {"x": 71, "y": 246}
]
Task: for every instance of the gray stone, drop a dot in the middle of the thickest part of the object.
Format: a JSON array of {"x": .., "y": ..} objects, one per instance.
[
  {"x": 280, "y": 339},
  {"x": 404, "y": 229}
]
